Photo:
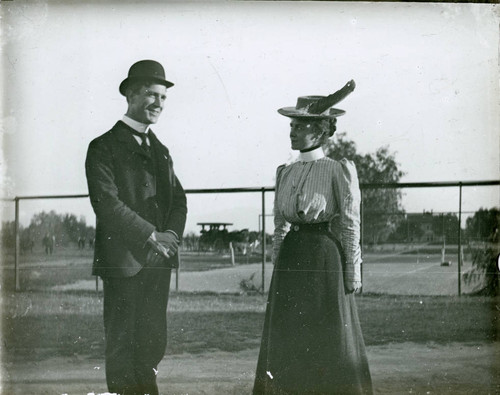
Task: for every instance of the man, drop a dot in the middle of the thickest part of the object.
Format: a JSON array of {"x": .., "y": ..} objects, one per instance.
[
  {"x": 140, "y": 208},
  {"x": 49, "y": 242}
]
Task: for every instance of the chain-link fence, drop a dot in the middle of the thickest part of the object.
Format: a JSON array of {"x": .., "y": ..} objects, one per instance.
[{"x": 47, "y": 241}]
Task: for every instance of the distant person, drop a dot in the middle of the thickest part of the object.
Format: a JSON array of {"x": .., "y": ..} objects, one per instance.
[
  {"x": 48, "y": 243},
  {"x": 140, "y": 208},
  {"x": 312, "y": 341},
  {"x": 81, "y": 243},
  {"x": 27, "y": 244}
]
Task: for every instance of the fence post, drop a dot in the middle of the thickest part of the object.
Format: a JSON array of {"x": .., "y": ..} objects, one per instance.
[
  {"x": 264, "y": 247},
  {"x": 361, "y": 236},
  {"x": 459, "y": 260},
  {"x": 17, "y": 286},
  {"x": 177, "y": 270}
]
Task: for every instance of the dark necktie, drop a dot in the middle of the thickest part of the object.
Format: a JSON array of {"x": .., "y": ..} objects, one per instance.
[{"x": 144, "y": 138}]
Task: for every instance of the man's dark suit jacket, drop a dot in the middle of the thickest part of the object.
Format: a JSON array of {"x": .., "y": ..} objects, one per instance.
[{"x": 132, "y": 194}]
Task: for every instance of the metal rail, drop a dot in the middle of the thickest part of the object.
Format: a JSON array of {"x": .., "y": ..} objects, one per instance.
[
  {"x": 263, "y": 190},
  {"x": 387, "y": 185}
]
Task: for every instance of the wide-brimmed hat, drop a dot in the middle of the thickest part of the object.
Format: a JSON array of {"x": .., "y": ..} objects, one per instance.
[
  {"x": 145, "y": 70},
  {"x": 319, "y": 107}
]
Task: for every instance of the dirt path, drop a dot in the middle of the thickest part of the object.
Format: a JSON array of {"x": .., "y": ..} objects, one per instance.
[
  {"x": 396, "y": 369},
  {"x": 412, "y": 279}
]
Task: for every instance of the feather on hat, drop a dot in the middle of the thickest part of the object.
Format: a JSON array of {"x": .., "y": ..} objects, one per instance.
[{"x": 319, "y": 107}]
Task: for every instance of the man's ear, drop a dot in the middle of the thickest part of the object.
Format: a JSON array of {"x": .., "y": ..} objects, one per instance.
[{"x": 128, "y": 93}]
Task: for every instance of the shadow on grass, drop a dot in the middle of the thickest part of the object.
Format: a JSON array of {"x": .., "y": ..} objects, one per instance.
[{"x": 37, "y": 325}]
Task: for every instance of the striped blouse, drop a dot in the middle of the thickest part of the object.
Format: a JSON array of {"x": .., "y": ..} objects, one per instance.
[{"x": 319, "y": 189}]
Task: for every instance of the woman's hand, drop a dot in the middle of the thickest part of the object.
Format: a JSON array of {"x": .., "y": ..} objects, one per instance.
[
  {"x": 353, "y": 286},
  {"x": 311, "y": 207}
]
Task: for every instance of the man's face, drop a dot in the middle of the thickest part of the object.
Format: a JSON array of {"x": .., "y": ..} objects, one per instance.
[{"x": 146, "y": 104}]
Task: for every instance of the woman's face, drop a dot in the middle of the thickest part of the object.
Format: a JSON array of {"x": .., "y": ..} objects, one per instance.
[{"x": 304, "y": 134}]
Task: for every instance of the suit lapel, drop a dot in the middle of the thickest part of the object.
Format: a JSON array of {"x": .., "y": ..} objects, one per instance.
[
  {"x": 124, "y": 134},
  {"x": 162, "y": 156},
  {"x": 164, "y": 167},
  {"x": 163, "y": 175}
]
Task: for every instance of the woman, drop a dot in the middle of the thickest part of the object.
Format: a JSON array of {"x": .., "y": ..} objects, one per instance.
[{"x": 312, "y": 341}]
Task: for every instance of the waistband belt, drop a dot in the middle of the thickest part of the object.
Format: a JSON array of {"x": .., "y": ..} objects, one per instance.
[{"x": 317, "y": 227}]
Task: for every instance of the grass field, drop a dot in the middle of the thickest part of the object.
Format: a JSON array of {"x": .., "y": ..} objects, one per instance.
[
  {"x": 392, "y": 270},
  {"x": 438, "y": 344},
  {"x": 38, "y": 324}
]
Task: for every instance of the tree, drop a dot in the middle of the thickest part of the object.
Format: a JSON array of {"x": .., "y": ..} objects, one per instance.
[
  {"x": 482, "y": 224},
  {"x": 66, "y": 228},
  {"x": 381, "y": 207},
  {"x": 446, "y": 225},
  {"x": 483, "y": 232},
  {"x": 8, "y": 234}
]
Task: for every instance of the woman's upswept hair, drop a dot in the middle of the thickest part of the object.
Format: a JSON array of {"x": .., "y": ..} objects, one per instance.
[{"x": 327, "y": 127}]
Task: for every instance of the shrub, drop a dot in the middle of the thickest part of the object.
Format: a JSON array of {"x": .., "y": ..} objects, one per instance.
[{"x": 485, "y": 270}]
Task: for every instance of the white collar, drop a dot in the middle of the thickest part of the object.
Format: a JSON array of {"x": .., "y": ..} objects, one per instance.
[
  {"x": 137, "y": 126},
  {"x": 311, "y": 156}
]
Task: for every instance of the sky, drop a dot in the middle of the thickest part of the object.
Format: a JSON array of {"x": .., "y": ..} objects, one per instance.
[{"x": 427, "y": 86}]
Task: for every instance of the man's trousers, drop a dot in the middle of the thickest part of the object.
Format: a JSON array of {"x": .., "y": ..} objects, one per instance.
[{"x": 135, "y": 325}]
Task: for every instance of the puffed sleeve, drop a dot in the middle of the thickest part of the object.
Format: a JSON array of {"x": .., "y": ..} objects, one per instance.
[
  {"x": 280, "y": 224},
  {"x": 348, "y": 196}
]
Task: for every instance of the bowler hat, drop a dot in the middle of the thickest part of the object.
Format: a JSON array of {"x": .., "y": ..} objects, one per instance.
[
  {"x": 145, "y": 70},
  {"x": 319, "y": 107}
]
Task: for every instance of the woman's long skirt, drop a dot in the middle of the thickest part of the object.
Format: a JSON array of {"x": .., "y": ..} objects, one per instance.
[{"x": 312, "y": 341}]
